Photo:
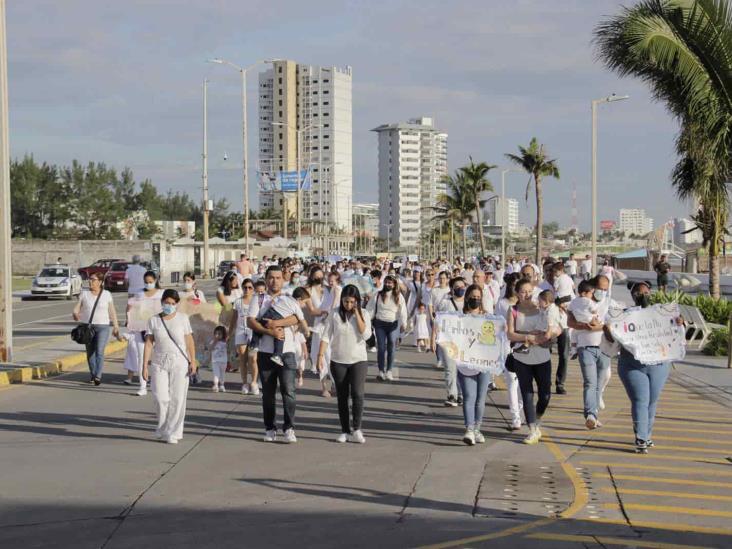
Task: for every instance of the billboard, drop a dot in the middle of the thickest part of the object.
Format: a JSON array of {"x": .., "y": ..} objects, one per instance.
[
  {"x": 607, "y": 225},
  {"x": 288, "y": 181}
]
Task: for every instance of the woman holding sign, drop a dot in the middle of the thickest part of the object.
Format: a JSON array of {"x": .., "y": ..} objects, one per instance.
[
  {"x": 642, "y": 382},
  {"x": 534, "y": 363},
  {"x": 139, "y": 310}
]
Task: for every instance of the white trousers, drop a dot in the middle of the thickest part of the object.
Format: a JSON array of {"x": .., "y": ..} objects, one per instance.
[
  {"x": 170, "y": 390},
  {"x": 219, "y": 372},
  {"x": 515, "y": 404}
]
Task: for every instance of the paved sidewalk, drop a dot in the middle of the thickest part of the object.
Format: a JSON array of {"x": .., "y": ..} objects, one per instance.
[{"x": 79, "y": 468}]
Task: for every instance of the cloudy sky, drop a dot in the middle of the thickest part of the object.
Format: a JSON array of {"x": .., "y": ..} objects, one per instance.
[{"x": 121, "y": 82}]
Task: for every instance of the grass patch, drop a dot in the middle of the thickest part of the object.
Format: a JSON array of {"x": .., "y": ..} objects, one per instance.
[{"x": 21, "y": 283}]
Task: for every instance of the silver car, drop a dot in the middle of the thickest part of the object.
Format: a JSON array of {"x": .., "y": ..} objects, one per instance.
[{"x": 56, "y": 281}]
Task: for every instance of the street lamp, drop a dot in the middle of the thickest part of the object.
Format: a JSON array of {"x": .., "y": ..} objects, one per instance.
[
  {"x": 595, "y": 102},
  {"x": 298, "y": 132},
  {"x": 245, "y": 155}
]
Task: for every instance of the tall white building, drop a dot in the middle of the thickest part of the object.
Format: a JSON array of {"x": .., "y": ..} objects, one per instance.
[
  {"x": 681, "y": 236},
  {"x": 316, "y": 101},
  {"x": 493, "y": 214},
  {"x": 412, "y": 164},
  {"x": 634, "y": 221}
]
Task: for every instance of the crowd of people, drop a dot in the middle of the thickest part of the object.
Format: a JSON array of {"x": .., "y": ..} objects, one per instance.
[{"x": 281, "y": 316}]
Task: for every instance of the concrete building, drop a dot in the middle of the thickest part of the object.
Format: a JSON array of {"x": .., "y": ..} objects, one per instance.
[
  {"x": 317, "y": 101},
  {"x": 493, "y": 214},
  {"x": 634, "y": 221},
  {"x": 683, "y": 238},
  {"x": 412, "y": 163},
  {"x": 365, "y": 226}
]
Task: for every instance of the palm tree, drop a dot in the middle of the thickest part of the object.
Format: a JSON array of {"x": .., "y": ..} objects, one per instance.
[
  {"x": 456, "y": 205},
  {"x": 533, "y": 160},
  {"x": 683, "y": 51},
  {"x": 477, "y": 183}
]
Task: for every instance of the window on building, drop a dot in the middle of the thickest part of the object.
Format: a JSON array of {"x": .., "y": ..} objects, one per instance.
[
  {"x": 280, "y": 80},
  {"x": 326, "y": 147},
  {"x": 279, "y": 69},
  {"x": 280, "y": 102},
  {"x": 326, "y": 102},
  {"x": 325, "y": 80},
  {"x": 280, "y": 114},
  {"x": 280, "y": 146}
]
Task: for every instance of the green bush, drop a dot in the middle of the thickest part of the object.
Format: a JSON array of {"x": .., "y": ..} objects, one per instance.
[
  {"x": 716, "y": 311},
  {"x": 717, "y": 343}
]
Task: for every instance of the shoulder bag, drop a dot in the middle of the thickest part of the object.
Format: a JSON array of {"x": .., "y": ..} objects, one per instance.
[
  {"x": 371, "y": 341},
  {"x": 510, "y": 363},
  {"x": 185, "y": 355},
  {"x": 83, "y": 334}
]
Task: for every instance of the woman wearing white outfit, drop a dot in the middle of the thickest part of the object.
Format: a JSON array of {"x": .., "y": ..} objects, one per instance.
[
  {"x": 316, "y": 311},
  {"x": 151, "y": 296},
  {"x": 191, "y": 291},
  {"x": 242, "y": 335},
  {"x": 167, "y": 363},
  {"x": 415, "y": 298},
  {"x": 515, "y": 403}
]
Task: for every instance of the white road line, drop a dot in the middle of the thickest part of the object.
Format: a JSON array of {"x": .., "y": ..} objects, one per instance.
[{"x": 43, "y": 320}]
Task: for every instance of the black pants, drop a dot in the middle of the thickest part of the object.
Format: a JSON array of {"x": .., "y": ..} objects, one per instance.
[
  {"x": 527, "y": 374},
  {"x": 563, "y": 350},
  {"x": 271, "y": 373},
  {"x": 350, "y": 380}
]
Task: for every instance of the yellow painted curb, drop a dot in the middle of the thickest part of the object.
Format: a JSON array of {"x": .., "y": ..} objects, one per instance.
[
  {"x": 68, "y": 362},
  {"x": 4, "y": 379}
]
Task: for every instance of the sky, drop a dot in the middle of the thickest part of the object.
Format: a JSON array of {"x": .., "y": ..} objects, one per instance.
[{"x": 121, "y": 83}]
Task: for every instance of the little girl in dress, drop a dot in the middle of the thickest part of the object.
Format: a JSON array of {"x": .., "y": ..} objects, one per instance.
[
  {"x": 219, "y": 359},
  {"x": 421, "y": 328}
]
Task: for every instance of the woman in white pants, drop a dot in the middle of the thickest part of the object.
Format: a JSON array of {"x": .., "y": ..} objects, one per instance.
[
  {"x": 515, "y": 404},
  {"x": 168, "y": 350},
  {"x": 151, "y": 295}
]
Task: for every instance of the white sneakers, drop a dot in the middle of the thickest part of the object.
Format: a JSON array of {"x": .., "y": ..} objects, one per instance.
[
  {"x": 591, "y": 422},
  {"x": 142, "y": 392},
  {"x": 244, "y": 389},
  {"x": 290, "y": 436},
  {"x": 389, "y": 376},
  {"x": 381, "y": 376},
  {"x": 469, "y": 437},
  {"x": 222, "y": 388},
  {"x": 270, "y": 435},
  {"x": 357, "y": 437},
  {"x": 534, "y": 435},
  {"x": 254, "y": 388},
  {"x": 479, "y": 438},
  {"x": 343, "y": 437}
]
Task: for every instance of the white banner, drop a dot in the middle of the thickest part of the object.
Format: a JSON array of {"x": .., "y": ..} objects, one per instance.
[
  {"x": 477, "y": 342},
  {"x": 651, "y": 335}
]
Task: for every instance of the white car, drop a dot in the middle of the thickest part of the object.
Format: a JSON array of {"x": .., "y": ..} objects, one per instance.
[{"x": 56, "y": 281}]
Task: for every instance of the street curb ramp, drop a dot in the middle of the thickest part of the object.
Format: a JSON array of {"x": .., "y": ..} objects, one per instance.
[{"x": 11, "y": 373}]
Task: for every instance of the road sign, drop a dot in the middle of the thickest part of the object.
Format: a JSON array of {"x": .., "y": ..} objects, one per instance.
[{"x": 288, "y": 181}]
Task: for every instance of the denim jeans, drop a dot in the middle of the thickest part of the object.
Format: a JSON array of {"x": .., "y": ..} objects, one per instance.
[
  {"x": 95, "y": 349},
  {"x": 475, "y": 389},
  {"x": 350, "y": 380},
  {"x": 643, "y": 383},
  {"x": 563, "y": 353},
  {"x": 594, "y": 365},
  {"x": 386, "y": 337},
  {"x": 527, "y": 374},
  {"x": 271, "y": 373}
]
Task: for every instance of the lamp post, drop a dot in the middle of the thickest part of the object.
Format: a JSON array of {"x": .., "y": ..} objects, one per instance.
[
  {"x": 245, "y": 153},
  {"x": 595, "y": 102},
  {"x": 6, "y": 304},
  {"x": 204, "y": 177}
]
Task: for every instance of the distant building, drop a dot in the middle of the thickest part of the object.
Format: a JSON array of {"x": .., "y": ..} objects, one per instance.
[
  {"x": 412, "y": 165},
  {"x": 493, "y": 214},
  {"x": 365, "y": 226},
  {"x": 634, "y": 221},
  {"x": 173, "y": 230},
  {"x": 681, "y": 237}
]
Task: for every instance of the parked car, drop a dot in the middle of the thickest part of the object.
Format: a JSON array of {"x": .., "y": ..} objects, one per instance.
[
  {"x": 56, "y": 280},
  {"x": 100, "y": 266},
  {"x": 115, "y": 281},
  {"x": 225, "y": 267}
]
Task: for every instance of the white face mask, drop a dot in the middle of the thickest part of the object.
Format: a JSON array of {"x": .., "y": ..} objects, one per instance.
[
  {"x": 599, "y": 295},
  {"x": 188, "y": 286},
  {"x": 149, "y": 285}
]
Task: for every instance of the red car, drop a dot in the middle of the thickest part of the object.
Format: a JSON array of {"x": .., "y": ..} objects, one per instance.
[
  {"x": 100, "y": 266},
  {"x": 115, "y": 277}
]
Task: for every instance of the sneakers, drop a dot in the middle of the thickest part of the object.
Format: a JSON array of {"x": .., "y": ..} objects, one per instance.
[
  {"x": 270, "y": 435},
  {"x": 222, "y": 388},
  {"x": 277, "y": 360},
  {"x": 649, "y": 443},
  {"x": 171, "y": 440},
  {"x": 534, "y": 436},
  {"x": 460, "y": 400},
  {"x": 451, "y": 401},
  {"x": 357, "y": 437},
  {"x": 561, "y": 390},
  {"x": 492, "y": 386},
  {"x": 591, "y": 422},
  {"x": 641, "y": 446},
  {"x": 215, "y": 388},
  {"x": 479, "y": 438},
  {"x": 389, "y": 376},
  {"x": 601, "y": 403},
  {"x": 516, "y": 424},
  {"x": 381, "y": 376},
  {"x": 469, "y": 437},
  {"x": 244, "y": 389},
  {"x": 142, "y": 392},
  {"x": 127, "y": 381},
  {"x": 290, "y": 436},
  {"x": 254, "y": 388},
  {"x": 343, "y": 437}
]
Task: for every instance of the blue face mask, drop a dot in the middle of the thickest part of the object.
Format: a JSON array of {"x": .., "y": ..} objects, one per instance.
[
  {"x": 458, "y": 292},
  {"x": 168, "y": 309}
]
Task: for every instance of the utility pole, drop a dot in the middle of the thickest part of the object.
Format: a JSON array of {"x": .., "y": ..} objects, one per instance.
[
  {"x": 6, "y": 302},
  {"x": 205, "y": 181},
  {"x": 245, "y": 157}
]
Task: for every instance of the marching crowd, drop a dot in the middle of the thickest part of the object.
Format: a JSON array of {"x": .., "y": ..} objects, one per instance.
[{"x": 279, "y": 315}]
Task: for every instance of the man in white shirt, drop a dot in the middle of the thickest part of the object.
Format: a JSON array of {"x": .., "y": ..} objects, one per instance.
[
  {"x": 490, "y": 295},
  {"x": 135, "y": 276},
  {"x": 571, "y": 268},
  {"x": 269, "y": 372},
  {"x": 585, "y": 268}
]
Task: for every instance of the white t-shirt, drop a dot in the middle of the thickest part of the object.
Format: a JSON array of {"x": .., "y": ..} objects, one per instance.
[
  {"x": 530, "y": 323},
  {"x": 243, "y": 332},
  {"x": 219, "y": 353},
  {"x": 285, "y": 306},
  {"x": 193, "y": 294},
  {"x": 587, "y": 338},
  {"x": 387, "y": 310},
  {"x": 437, "y": 295},
  {"x": 179, "y": 326},
  {"x": 135, "y": 275},
  {"x": 551, "y": 317},
  {"x": 564, "y": 286},
  {"x": 586, "y": 266},
  {"x": 347, "y": 343},
  {"x": 450, "y": 305},
  {"x": 101, "y": 314},
  {"x": 571, "y": 267}
]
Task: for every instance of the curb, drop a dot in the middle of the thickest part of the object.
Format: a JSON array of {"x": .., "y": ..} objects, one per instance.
[{"x": 21, "y": 374}]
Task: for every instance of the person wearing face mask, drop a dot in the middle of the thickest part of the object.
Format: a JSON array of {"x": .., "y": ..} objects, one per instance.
[
  {"x": 316, "y": 311},
  {"x": 151, "y": 295},
  {"x": 643, "y": 382},
  {"x": 389, "y": 311},
  {"x": 168, "y": 362},
  {"x": 190, "y": 290},
  {"x": 452, "y": 302}
]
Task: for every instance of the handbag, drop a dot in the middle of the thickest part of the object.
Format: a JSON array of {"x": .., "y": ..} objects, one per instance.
[
  {"x": 83, "y": 334},
  {"x": 510, "y": 362},
  {"x": 185, "y": 355},
  {"x": 371, "y": 341}
]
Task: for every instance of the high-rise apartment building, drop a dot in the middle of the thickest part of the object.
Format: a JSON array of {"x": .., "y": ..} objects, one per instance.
[
  {"x": 313, "y": 104},
  {"x": 634, "y": 221},
  {"x": 493, "y": 214},
  {"x": 412, "y": 164}
]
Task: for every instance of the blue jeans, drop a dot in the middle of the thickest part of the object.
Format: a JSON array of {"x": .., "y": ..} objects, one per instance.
[
  {"x": 95, "y": 350},
  {"x": 386, "y": 337},
  {"x": 474, "y": 389},
  {"x": 593, "y": 365},
  {"x": 270, "y": 374},
  {"x": 643, "y": 383}
]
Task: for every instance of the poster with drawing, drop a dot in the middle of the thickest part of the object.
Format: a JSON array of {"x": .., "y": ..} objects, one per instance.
[
  {"x": 475, "y": 341},
  {"x": 141, "y": 309},
  {"x": 651, "y": 335},
  {"x": 204, "y": 317}
]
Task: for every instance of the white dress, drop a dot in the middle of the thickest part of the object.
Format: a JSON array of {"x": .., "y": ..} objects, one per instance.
[{"x": 421, "y": 327}]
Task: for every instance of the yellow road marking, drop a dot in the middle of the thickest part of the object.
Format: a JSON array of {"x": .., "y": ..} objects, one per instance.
[
  {"x": 664, "y": 493},
  {"x": 665, "y": 468},
  {"x": 670, "y": 509},
  {"x": 503, "y": 533},
  {"x": 581, "y": 495},
  {"x": 626, "y": 542},
  {"x": 674, "y": 526},
  {"x": 603, "y": 433},
  {"x": 696, "y": 459},
  {"x": 690, "y": 429},
  {"x": 666, "y": 480},
  {"x": 602, "y": 444}
]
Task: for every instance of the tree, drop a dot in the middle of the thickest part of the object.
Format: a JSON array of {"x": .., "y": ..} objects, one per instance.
[
  {"x": 476, "y": 183},
  {"x": 94, "y": 210},
  {"x": 549, "y": 229},
  {"x": 683, "y": 50},
  {"x": 533, "y": 160},
  {"x": 456, "y": 205}
]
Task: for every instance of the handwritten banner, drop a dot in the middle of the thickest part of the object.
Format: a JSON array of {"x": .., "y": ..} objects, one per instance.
[
  {"x": 651, "y": 335},
  {"x": 477, "y": 342}
]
